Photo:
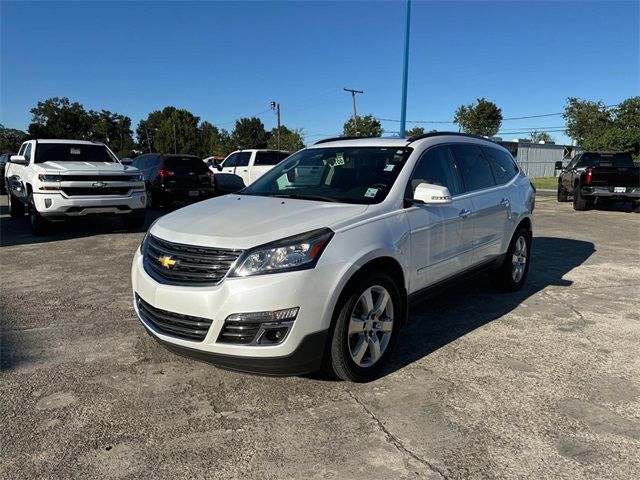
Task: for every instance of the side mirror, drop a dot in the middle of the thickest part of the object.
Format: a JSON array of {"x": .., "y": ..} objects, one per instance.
[
  {"x": 218, "y": 165},
  {"x": 559, "y": 165},
  {"x": 19, "y": 160},
  {"x": 429, "y": 194},
  {"x": 224, "y": 183}
]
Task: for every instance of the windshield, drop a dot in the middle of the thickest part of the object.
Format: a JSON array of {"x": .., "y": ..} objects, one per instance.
[
  {"x": 339, "y": 174},
  {"x": 71, "y": 152},
  {"x": 606, "y": 160}
]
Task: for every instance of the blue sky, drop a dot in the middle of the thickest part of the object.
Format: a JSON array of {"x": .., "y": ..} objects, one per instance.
[{"x": 224, "y": 60}]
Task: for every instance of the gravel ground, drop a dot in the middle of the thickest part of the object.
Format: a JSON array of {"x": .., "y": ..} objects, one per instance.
[{"x": 544, "y": 383}]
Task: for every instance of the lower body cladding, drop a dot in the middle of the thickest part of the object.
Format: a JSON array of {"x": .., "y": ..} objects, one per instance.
[
  {"x": 55, "y": 205},
  {"x": 268, "y": 324}
]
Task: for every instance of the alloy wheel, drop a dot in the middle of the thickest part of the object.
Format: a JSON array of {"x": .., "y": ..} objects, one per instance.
[{"x": 519, "y": 259}]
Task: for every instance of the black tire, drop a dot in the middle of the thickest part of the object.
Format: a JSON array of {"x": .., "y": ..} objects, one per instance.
[
  {"x": 39, "y": 225},
  {"x": 339, "y": 360},
  {"x": 504, "y": 278},
  {"x": 635, "y": 206},
  {"x": 133, "y": 221},
  {"x": 563, "y": 196},
  {"x": 151, "y": 202},
  {"x": 579, "y": 202},
  {"x": 16, "y": 207}
]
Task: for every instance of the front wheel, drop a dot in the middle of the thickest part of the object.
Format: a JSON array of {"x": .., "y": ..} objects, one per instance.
[
  {"x": 562, "y": 194},
  {"x": 39, "y": 225},
  {"x": 16, "y": 207},
  {"x": 513, "y": 271},
  {"x": 366, "y": 328}
]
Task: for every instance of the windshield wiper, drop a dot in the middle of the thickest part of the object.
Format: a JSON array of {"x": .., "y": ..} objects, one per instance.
[{"x": 306, "y": 197}]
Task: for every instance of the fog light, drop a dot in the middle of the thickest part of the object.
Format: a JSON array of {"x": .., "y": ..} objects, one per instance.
[
  {"x": 143, "y": 200},
  {"x": 47, "y": 202},
  {"x": 258, "y": 328}
]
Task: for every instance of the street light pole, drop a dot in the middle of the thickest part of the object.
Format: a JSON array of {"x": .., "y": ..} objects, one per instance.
[
  {"x": 276, "y": 106},
  {"x": 405, "y": 74},
  {"x": 353, "y": 99}
]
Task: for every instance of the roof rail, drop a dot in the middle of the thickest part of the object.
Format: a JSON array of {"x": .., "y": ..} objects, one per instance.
[
  {"x": 335, "y": 139},
  {"x": 438, "y": 134}
]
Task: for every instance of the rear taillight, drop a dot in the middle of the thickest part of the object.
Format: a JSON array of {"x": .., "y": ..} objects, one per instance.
[
  {"x": 588, "y": 176},
  {"x": 165, "y": 172}
]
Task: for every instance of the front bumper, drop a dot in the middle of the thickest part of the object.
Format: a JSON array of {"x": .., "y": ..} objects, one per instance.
[
  {"x": 300, "y": 352},
  {"x": 59, "y": 205}
]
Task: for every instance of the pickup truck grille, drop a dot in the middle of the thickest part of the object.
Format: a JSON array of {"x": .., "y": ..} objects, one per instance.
[
  {"x": 92, "y": 191},
  {"x": 99, "y": 178},
  {"x": 174, "y": 324},
  {"x": 179, "y": 264}
]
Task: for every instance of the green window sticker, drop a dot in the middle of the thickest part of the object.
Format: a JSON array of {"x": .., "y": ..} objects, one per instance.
[{"x": 371, "y": 192}]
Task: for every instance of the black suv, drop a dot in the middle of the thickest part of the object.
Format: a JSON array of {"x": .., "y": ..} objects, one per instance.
[
  {"x": 4, "y": 159},
  {"x": 174, "y": 178}
]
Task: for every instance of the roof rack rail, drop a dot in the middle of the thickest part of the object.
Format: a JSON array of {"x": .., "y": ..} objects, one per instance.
[
  {"x": 438, "y": 134},
  {"x": 335, "y": 139}
]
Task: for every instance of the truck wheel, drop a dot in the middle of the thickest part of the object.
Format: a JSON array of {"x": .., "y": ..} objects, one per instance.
[
  {"x": 562, "y": 194},
  {"x": 579, "y": 202},
  {"x": 39, "y": 225},
  {"x": 16, "y": 207},
  {"x": 513, "y": 271},
  {"x": 133, "y": 221},
  {"x": 366, "y": 328}
]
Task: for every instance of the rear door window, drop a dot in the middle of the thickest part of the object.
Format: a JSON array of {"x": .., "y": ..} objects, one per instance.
[
  {"x": 503, "y": 165},
  {"x": 475, "y": 170},
  {"x": 268, "y": 158}
]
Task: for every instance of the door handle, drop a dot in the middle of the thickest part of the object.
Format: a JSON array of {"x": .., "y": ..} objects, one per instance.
[
  {"x": 505, "y": 202},
  {"x": 464, "y": 213}
]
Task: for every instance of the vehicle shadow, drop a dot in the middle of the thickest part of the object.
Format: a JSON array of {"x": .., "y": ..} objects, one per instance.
[
  {"x": 16, "y": 231},
  {"x": 440, "y": 319}
]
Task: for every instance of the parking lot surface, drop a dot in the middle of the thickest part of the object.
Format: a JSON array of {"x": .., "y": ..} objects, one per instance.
[{"x": 543, "y": 383}]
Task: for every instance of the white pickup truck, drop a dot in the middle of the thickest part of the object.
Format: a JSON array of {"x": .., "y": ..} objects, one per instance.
[
  {"x": 251, "y": 164},
  {"x": 52, "y": 180}
]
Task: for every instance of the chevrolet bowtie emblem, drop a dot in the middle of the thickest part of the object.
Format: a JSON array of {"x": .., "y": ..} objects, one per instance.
[{"x": 167, "y": 261}]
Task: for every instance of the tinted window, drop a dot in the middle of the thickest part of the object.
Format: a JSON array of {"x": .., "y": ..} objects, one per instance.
[
  {"x": 230, "y": 161},
  {"x": 243, "y": 159},
  {"x": 27, "y": 152},
  {"x": 192, "y": 163},
  {"x": 70, "y": 152},
  {"x": 437, "y": 167},
  {"x": 504, "y": 168},
  {"x": 269, "y": 158},
  {"x": 475, "y": 170},
  {"x": 605, "y": 160}
]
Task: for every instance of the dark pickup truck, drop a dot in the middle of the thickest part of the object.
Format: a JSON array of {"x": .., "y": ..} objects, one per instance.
[{"x": 598, "y": 177}]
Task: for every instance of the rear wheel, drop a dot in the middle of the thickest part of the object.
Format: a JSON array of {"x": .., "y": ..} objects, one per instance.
[
  {"x": 39, "y": 225},
  {"x": 513, "y": 272},
  {"x": 579, "y": 202},
  {"x": 16, "y": 207},
  {"x": 366, "y": 327},
  {"x": 563, "y": 196}
]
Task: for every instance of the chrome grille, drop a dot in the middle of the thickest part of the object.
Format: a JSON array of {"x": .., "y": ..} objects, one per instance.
[
  {"x": 76, "y": 191},
  {"x": 175, "y": 324},
  {"x": 194, "y": 265}
]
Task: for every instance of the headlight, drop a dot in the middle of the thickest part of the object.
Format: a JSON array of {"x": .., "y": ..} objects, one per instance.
[
  {"x": 49, "y": 178},
  {"x": 294, "y": 253},
  {"x": 136, "y": 178}
]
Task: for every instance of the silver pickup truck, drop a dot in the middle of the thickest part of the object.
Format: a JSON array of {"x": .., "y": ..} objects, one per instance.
[{"x": 52, "y": 180}]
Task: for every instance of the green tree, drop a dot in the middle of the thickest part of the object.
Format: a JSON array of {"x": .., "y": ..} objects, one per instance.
[
  {"x": 112, "y": 129},
  {"x": 59, "y": 118},
  {"x": 481, "y": 118},
  {"x": 537, "y": 137},
  {"x": 368, "y": 126},
  {"x": 11, "y": 139},
  {"x": 290, "y": 140},
  {"x": 250, "y": 133},
  {"x": 627, "y": 114},
  {"x": 148, "y": 128},
  {"x": 586, "y": 120},
  {"x": 214, "y": 141},
  {"x": 178, "y": 133},
  {"x": 415, "y": 131}
]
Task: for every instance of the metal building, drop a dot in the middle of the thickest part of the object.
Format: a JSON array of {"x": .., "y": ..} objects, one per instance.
[{"x": 539, "y": 159}]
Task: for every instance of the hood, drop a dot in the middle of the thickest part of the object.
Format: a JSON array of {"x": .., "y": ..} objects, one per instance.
[
  {"x": 245, "y": 221},
  {"x": 99, "y": 168}
]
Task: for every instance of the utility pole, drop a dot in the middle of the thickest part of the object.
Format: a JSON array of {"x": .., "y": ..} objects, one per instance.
[
  {"x": 276, "y": 106},
  {"x": 353, "y": 98},
  {"x": 175, "y": 141},
  {"x": 405, "y": 74},
  {"x": 148, "y": 140}
]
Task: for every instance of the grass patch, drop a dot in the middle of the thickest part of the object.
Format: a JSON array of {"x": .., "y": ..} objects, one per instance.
[{"x": 545, "y": 182}]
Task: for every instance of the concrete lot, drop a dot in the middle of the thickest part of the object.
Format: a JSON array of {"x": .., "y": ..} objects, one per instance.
[{"x": 544, "y": 383}]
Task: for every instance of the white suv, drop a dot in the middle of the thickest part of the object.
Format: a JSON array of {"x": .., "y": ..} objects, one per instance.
[{"x": 313, "y": 264}]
